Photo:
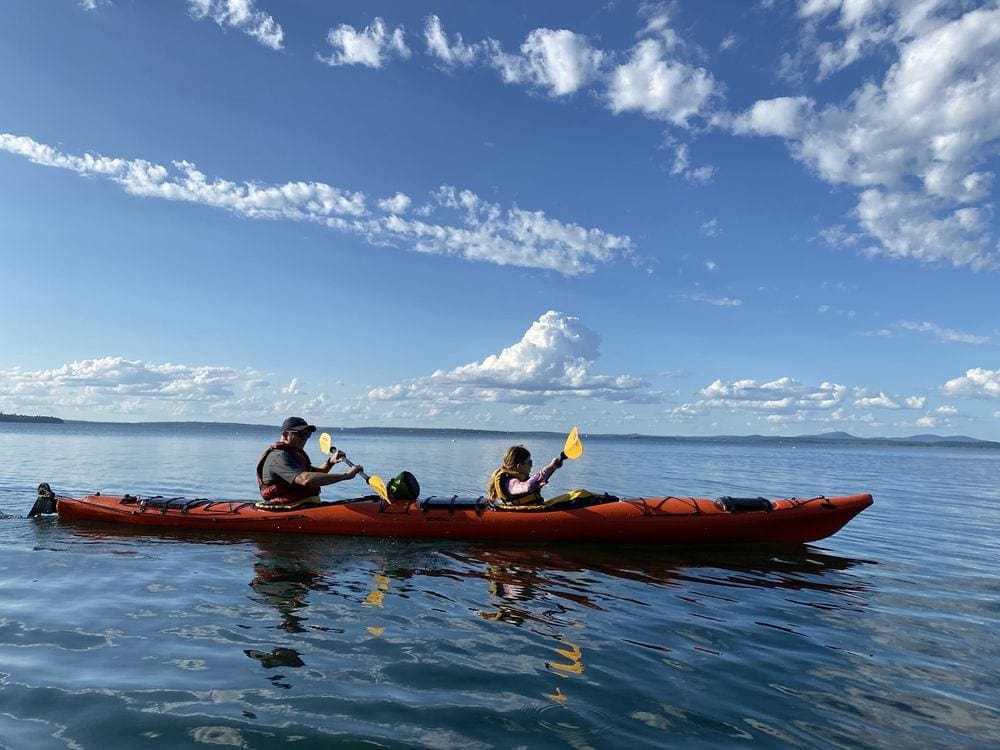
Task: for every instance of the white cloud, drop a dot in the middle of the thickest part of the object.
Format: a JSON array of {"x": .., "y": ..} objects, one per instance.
[
  {"x": 455, "y": 52},
  {"x": 784, "y": 117},
  {"x": 881, "y": 401},
  {"x": 717, "y": 301},
  {"x": 863, "y": 26},
  {"x": 977, "y": 382},
  {"x": 787, "y": 401},
  {"x": 653, "y": 81},
  {"x": 912, "y": 226},
  {"x": 397, "y": 204},
  {"x": 472, "y": 229},
  {"x": 710, "y": 228},
  {"x": 914, "y": 144},
  {"x": 944, "y": 334},
  {"x": 657, "y": 85},
  {"x": 552, "y": 360},
  {"x": 557, "y": 60},
  {"x": 240, "y": 14},
  {"x": 784, "y": 395},
  {"x": 115, "y": 385},
  {"x": 370, "y": 47},
  {"x": 682, "y": 164},
  {"x": 294, "y": 388}
]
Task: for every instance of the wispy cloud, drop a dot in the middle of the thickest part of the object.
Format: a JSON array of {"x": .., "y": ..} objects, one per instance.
[
  {"x": 717, "y": 301},
  {"x": 471, "y": 229},
  {"x": 944, "y": 334},
  {"x": 240, "y": 15}
]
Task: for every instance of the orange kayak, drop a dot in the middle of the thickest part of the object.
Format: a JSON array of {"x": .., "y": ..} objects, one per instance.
[{"x": 642, "y": 520}]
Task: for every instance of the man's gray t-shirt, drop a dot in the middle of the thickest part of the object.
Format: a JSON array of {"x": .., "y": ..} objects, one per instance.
[{"x": 280, "y": 464}]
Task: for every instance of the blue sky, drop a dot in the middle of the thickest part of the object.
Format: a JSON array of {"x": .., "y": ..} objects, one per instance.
[{"x": 681, "y": 218}]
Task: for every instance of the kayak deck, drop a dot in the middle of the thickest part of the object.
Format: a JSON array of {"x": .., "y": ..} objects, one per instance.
[{"x": 643, "y": 520}]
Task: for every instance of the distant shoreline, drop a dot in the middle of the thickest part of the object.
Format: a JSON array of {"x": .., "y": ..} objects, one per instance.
[
  {"x": 26, "y": 418},
  {"x": 838, "y": 438}
]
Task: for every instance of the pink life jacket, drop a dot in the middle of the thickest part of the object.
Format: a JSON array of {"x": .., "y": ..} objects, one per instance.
[{"x": 280, "y": 490}]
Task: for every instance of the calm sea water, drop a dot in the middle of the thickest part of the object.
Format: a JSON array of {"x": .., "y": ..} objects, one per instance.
[{"x": 883, "y": 636}]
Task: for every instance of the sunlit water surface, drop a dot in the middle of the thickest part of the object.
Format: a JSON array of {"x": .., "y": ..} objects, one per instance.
[{"x": 883, "y": 636}]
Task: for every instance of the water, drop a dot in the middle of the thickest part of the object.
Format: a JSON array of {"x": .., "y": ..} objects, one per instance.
[{"x": 882, "y": 636}]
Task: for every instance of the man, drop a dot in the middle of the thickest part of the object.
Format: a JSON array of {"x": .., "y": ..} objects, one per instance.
[{"x": 285, "y": 474}]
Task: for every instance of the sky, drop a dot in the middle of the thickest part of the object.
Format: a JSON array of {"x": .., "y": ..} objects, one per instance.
[{"x": 771, "y": 217}]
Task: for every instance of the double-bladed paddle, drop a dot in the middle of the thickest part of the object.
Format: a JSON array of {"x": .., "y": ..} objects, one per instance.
[{"x": 375, "y": 482}]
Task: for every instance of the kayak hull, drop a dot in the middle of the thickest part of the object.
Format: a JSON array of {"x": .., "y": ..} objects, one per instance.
[{"x": 644, "y": 520}]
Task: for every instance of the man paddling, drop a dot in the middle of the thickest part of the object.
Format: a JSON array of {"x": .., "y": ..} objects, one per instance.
[{"x": 285, "y": 474}]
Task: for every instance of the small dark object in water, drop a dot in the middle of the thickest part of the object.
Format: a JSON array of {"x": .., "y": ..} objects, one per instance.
[{"x": 45, "y": 503}]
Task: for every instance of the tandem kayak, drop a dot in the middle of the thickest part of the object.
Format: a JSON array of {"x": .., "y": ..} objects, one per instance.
[{"x": 604, "y": 518}]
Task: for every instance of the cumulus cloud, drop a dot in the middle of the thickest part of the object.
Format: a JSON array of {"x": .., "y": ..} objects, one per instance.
[
  {"x": 397, "y": 204},
  {"x": 914, "y": 144},
  {"x": 653, "y": 80},
  {"x": 977, "y": 382},
  {"x": 861, "y": 27},
  {"x": 782, "y": 395},
  {"x": 554, "y": 359},
  {"x": 371, "y": 47},
  {"x": 655, "y": 84},
  {"x": 881, "y": 401},
  {"x": 558, "y": 61},
  {"x": 788, "y": 401},
  {"x": 783, "y": 117},
  {"x": 241, "y": 15},
  {"x": 470, "y": 228},
  {"x": 119, "y": 386}
]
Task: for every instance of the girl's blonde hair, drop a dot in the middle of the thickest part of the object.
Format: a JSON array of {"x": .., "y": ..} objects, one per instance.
[{"x": 515, "y": 455}]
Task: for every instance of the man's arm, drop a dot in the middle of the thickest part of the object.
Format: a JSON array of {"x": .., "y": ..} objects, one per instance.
[{"x": 313, "y": 480}]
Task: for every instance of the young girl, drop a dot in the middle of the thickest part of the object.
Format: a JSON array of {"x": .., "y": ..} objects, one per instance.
[{"x": 514, "y": 484}]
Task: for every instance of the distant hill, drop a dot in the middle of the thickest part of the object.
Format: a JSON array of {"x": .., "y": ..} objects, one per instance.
[
  {"x": 26, "y": 418},
  {"x": 940, "y": 441}
]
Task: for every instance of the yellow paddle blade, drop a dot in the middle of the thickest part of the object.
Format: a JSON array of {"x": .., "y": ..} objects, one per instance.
[
  {"x": 376, "y": 483},
  {"x": 325, "y": 442},
  {"x": 573, "y": 447}
]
